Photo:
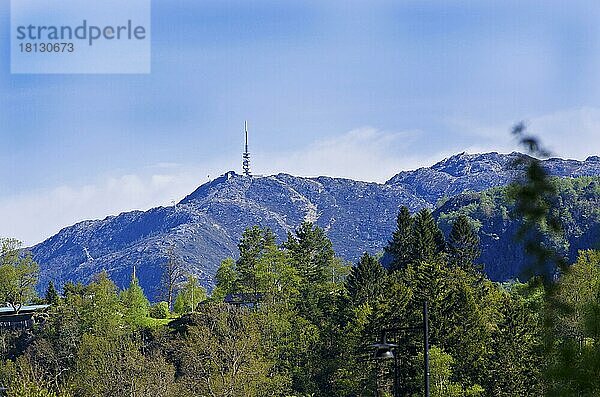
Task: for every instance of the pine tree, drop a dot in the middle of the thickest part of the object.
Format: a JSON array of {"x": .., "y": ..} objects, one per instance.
[
  {"x": 365, "y": 282},
  {"x": 311, "y": 253},
  {"x": 428, "y": 239},
  {"x": 135, "y": 303},
  {"x": 52, "y": 297},
  {"x": 252, "y": 246},
  {"x": 399, "y": 248},
  {"x": 463, "y": 244}
]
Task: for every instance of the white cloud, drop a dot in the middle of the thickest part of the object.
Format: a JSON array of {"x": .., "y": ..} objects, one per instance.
[
  {"x": 364, "y": 154},
  {"x": 573, "y": 133}
]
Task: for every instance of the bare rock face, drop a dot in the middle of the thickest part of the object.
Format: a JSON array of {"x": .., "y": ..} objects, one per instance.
[{"x": 205, "y": 227}]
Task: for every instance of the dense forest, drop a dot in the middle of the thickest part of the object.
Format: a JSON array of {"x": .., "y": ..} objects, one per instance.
[
  {"x": 576, "y": 201},
  {"x": 291, "y": 319}
]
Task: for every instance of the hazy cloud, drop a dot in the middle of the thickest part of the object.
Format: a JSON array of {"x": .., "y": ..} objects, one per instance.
[
  {"x": 365, "y": 154},
  {"x": 573, "y": 133}
]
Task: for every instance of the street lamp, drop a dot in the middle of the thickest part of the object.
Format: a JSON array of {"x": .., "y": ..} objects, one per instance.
[{"x": 384, "y": 349}]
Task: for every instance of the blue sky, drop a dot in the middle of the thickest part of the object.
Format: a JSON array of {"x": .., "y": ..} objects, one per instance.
[{"x": 341, "y": 88}]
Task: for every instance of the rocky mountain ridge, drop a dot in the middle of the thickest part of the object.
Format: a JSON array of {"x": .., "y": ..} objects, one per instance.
[{"x": 205, "y": 226}]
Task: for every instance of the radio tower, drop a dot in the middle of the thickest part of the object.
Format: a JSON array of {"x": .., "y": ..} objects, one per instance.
[{"x": 246, "y": 155}]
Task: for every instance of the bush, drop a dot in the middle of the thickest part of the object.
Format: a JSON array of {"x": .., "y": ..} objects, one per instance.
[{"x": 160, "y": 310}]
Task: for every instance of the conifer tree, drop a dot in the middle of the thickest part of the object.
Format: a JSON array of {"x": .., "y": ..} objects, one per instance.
[
  {"x": 51, "y": 297},
  {"x": 311, "y": 253},
  {"x": 253, "y": 245},
  {"x": 463, "y": 244},
  {"x": 135, "y": 303},
  {"x": 428, "y": 239},
  {"x": 400, "y": 247},
  {"x": 365, "y": 282}
]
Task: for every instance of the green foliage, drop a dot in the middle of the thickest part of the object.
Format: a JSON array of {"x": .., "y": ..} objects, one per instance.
[
  {"x": 442, "y": 385},
  {"x": 570, "y": 312},
  {"x": 18, "y": 275},
  {"x": 463, "y": 244},
  {"x": 226, "y": 279},
  {"x": 516, "y": 363},
  {"x": 51, "y": 296},
  {"x": 100, "y": 308},
  {"x": 189, "y": 296},
  {"x": 574, "y": 349},
  {"x": 311, "y": 253},
  {"x": 255, "y": 242},
  {"x": 21, "y": 380},
  {"x": 416, "y": 239},
  {"x": 574, "y": 203},
  {"x": 365, "y": 282},
  {"x": 160, "y": 310},
  {"x": 399, "y": 248},
  {"x": 136, "y": 305},
  {"x": 428, "y": 240},
  {"x": 115, "y": 366},
  {"x": 234, "y": 357}
]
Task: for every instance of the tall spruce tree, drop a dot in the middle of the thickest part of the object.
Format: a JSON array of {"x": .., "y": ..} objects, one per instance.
[
  {"x": 51, "y": 297},
  {"x": 311, "y": 253},
  {"x": 428, "y": 239},
  {"x": 400, "y": 246},
  {"x": 365, "y": 282},
  {"x": 463, "y": 244},
  {"x": 253, "y": 245}
]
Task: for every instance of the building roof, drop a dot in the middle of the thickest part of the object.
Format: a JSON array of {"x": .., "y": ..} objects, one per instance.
[{"x": 8, "y": 310}]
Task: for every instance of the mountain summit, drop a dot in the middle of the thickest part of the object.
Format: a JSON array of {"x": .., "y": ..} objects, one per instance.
[{"x": 204, "y": 227}]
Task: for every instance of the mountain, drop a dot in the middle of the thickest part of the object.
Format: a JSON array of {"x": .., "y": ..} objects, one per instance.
[
  {"x": 205, "y": 226},
  {"x": 478, "y": 172}
]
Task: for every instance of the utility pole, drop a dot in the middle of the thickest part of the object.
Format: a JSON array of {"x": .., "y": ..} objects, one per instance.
[{"x": 426, "y": 346}]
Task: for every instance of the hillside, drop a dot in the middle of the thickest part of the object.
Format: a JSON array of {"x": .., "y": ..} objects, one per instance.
[
  {"x": 492, "y": 212},
  {"x": 205, "y": 226}
]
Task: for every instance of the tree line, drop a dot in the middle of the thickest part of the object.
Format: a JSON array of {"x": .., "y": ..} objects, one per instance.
[{"x": 310, "y": 330}]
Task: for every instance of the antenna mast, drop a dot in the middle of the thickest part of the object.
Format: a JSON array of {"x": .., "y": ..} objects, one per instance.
[{"x": 246, "y": 155}]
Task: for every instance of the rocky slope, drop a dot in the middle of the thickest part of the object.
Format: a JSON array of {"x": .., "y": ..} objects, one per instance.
[{"x": 205, "y": 226}]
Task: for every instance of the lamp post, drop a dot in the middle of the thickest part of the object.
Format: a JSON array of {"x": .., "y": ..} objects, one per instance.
[
  {"x": 426, "y": 346},
  {"x": 384, "y": 350}
]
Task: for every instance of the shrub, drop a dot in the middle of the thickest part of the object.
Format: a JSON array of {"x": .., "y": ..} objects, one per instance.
[{"x": 160, "y": 310}]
